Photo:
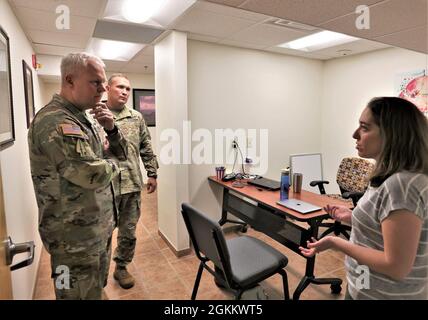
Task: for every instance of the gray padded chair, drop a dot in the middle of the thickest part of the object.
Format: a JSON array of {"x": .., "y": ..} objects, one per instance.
[{"x": 242, "y": 262}]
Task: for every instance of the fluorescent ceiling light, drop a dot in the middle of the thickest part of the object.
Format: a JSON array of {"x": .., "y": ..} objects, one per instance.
[
  {"x": 140, "y": 11},
  {"x": 114, "y": 50},
  {"x": 318, "y": 41},
  {"x": 167, "y": 12}
]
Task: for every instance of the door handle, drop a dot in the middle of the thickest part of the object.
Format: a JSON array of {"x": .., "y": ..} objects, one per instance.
[{"x": 13, "y": 249}]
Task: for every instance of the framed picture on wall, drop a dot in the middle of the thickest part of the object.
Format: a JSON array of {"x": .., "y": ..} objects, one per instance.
[
  {"x": 29, "y": 92},
  {"x": 7, "y": 126},
  {"x": 144, "y": 101}
]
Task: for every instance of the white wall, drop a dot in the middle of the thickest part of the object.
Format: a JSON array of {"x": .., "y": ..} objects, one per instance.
[
  {"x": 238, "y": 88},
  {"x": 51, "y": 65},
  {"x": 49, "y": 90},
  {"x": 20, "y": 203},
  {"x": 348, "y": 84}
]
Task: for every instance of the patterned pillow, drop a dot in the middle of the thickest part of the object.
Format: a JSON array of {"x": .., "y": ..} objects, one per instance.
[{"x": 354, "y": 174}]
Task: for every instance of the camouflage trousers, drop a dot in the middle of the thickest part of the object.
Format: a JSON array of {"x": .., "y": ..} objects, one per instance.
[
  {"x": 81, "y": 276},
  {"x": 129, "y": 212}
]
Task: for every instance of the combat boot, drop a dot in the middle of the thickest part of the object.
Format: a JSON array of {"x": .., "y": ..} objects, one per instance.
[{"x": 125, "y": 279}]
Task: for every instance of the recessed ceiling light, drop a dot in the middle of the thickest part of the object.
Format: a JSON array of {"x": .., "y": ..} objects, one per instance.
[
  {"x": 318, "y": 41},
  {"x": 161, "y": 14},
  {"x": 114, "y": 50},
  {"x": 140, "y": 11}
]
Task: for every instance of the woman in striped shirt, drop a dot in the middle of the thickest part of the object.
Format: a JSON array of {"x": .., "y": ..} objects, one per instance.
[{"x": 387, "y": 254}]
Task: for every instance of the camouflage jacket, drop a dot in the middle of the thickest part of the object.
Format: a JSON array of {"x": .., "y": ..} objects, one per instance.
[
  {"x": 134, "y": 129},
  {"x": 71, "y": 178}
]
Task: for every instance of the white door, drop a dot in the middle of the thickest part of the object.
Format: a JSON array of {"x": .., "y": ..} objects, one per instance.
[{"x": 5, "y": 280}]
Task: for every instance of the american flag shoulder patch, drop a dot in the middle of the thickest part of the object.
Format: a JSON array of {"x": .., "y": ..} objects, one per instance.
[{"x": 71, "y": 130}]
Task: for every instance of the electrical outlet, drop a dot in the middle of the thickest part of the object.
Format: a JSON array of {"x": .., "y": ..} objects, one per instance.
[{"x": 249, "y": 142}]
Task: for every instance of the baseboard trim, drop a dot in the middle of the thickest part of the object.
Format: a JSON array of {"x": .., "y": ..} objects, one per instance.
[{"x": 177, "y": 253}]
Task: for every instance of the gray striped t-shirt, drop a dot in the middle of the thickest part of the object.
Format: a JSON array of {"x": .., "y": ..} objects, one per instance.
[{"x": 403, "y": 190}]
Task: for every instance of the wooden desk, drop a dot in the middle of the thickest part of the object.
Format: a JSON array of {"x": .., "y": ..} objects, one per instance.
[{"x": 276, "y": 221}]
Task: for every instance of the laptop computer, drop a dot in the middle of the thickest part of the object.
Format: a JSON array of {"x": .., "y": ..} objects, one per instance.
[
  {"x": 265, "y": 183},
  {"x": 298, "y": 205}
]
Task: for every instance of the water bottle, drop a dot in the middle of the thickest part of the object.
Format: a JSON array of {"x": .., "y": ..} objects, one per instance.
[{"x": 285, "y": 184}]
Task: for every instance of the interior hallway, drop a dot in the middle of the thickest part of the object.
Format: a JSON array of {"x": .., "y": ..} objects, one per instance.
[{"x": 160, "y": 274}]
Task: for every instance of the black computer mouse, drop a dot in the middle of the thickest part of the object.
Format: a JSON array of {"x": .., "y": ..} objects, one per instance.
[{"x": 229, "y": 177}]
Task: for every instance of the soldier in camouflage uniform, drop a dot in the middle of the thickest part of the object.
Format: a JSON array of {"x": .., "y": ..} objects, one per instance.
[
  {"x": 130, "y": 181},
  {"x": 72, "y": 179}
]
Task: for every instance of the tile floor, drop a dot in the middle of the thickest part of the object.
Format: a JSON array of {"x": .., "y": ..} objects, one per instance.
[{"x": 161, "y": 275}]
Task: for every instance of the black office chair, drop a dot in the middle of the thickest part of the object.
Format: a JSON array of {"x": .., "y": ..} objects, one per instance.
[
  {"x": 242, "y": 262},
  {"x": 353, "y": 178}
]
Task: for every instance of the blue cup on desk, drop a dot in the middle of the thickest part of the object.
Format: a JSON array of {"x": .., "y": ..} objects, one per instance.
[{"x": 220, "y": 172}]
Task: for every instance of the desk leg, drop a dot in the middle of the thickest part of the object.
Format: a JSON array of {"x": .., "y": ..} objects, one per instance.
[
  {"x": 335, "y": 283},
  {"x": 224, "y": 218}
]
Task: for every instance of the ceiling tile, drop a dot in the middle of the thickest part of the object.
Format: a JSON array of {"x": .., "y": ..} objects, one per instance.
[
  {"x": 211, "y": 24},
  {"x": 267, "y": 35},
  {"x": 125, "y": 32},
  {"x": 286, "y": 51},
  {"x": 230, "y": 22},
  {"x": 55, "y": 50},
  {"x": 392, "y": 17},
  {"x": 351, "y": 48},
  {"x": 241, "y": 44},
  {"x": 58, "y": 38},
  {"x": 148, "y": 50},
  {"x": 138, "y": 68},
  {"x": 115, "y": 66},
  {"x": 385, "y": 18},
  {"x": 312, "y": 12},
  {"x": 46, "y": 21},
  {"x": 201, "y": 37},
  {"x": 142, "y": 59},
  {"x": 413, "y": 39},
  {"x": 82, "y": 8},
  {"x": 230, "y": 11},
  {"x": 298, "y": 53},
  {"x": 176, "y": 10},
  {"x": 317, "y": 56},
  {"x": 232, "y": 3}
]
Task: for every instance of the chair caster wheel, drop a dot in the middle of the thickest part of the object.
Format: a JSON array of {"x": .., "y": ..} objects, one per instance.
[
  {"x": 244, "y": 229},
  {"x": 336, "y": 288}
]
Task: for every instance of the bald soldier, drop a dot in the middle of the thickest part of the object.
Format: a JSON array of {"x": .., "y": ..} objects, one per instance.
[
  {"x": 72, "y": 179},
  {"x": 130, "y": 182}
]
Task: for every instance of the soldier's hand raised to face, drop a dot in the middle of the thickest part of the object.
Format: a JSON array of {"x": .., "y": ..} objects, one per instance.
[{"x": 103, "y": 115}]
